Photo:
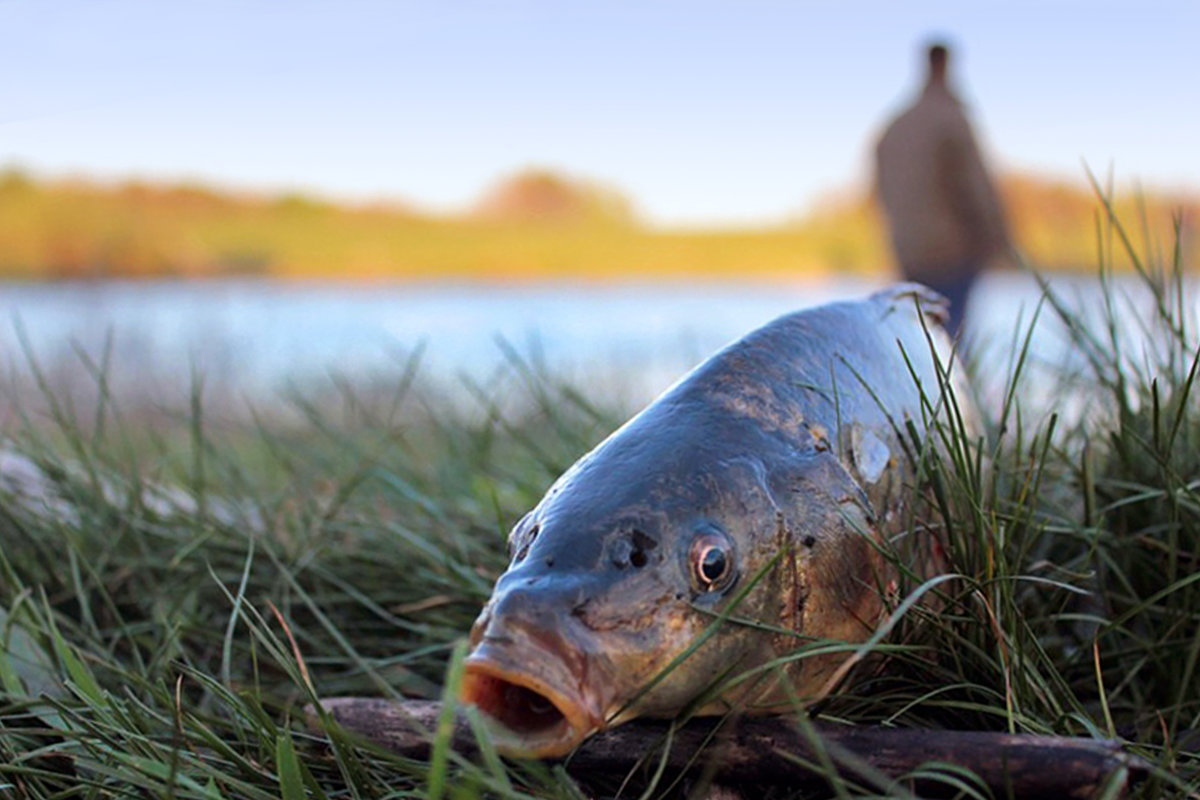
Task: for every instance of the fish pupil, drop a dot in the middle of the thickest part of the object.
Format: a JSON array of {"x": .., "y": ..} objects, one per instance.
[
  {"x": 713, "y": 564},
  {"x": 540, "y": 706}
]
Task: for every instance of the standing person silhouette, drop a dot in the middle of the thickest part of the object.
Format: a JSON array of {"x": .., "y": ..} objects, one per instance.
[{"x": 945, "y": 218}]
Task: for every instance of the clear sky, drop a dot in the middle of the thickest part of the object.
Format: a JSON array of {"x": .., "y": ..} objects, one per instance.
[{"x": 703, "y": 112}]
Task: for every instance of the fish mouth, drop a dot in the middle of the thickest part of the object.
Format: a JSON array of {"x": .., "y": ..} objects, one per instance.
[{"x": 528, "y": 715}]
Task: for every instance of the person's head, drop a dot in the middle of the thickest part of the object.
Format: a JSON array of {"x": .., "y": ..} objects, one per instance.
[{"x": 939, "y": 59}]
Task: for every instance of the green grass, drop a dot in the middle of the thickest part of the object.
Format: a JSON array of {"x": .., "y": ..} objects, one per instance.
[{"x": 348, "y": 554}]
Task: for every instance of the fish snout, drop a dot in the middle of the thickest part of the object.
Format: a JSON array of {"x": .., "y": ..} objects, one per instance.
[{"x": 531, "y": 675}]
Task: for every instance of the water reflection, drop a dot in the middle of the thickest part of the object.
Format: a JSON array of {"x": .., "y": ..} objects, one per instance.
[{"x": 251, "y": 339}]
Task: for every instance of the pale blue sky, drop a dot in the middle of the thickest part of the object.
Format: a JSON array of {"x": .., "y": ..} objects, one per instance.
[{"x": 701, "y": 111}]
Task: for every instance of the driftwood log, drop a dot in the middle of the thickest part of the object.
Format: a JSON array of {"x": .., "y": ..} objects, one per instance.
[{"x": 760, "y": 751}]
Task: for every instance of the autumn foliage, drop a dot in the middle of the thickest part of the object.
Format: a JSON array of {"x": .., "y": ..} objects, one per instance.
[{"x": 537, "y": 225}]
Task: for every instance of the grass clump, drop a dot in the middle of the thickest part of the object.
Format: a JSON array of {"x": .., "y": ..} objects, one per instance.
[
  {"x": 189, "y": 625},
  {"x": 1074, "y": 536},
  {"x": 172, "y": 596}
]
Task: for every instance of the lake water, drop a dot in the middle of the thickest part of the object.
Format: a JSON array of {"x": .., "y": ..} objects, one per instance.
[{"x": 253, "y": 338}]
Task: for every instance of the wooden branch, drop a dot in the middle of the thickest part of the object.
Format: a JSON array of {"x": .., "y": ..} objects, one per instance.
[{"x": 774, "y": 750}]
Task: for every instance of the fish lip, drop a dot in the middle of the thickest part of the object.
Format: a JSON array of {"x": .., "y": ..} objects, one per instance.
[{"x": 489, "y": 672}]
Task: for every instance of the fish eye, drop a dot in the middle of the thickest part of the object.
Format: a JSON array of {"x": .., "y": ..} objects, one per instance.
[{"x": 711, "y": 562}]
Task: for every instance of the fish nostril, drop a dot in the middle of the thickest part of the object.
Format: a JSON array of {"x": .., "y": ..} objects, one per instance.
[
  {"x": 641, "y": 547},
  {"x": 529, "y": 539},
  {"x": 631, "y": 548}
]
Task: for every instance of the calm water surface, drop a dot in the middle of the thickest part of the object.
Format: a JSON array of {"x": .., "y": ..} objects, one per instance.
[{"x": 257, "y": 337}]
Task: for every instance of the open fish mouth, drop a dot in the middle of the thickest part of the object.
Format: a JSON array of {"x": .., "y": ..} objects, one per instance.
[{"x": 527, "y": 716}]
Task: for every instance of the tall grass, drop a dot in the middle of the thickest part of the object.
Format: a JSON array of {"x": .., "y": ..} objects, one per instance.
[
  {"x": 1074, "y": 536},
  {"x": 186, "y": 591}
]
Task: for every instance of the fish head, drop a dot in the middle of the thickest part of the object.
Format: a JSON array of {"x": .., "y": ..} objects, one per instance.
[{"x": 612, "y": 605}]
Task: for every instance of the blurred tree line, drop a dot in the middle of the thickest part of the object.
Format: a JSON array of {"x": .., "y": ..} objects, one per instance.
[{"x": 534, "y": 225}]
